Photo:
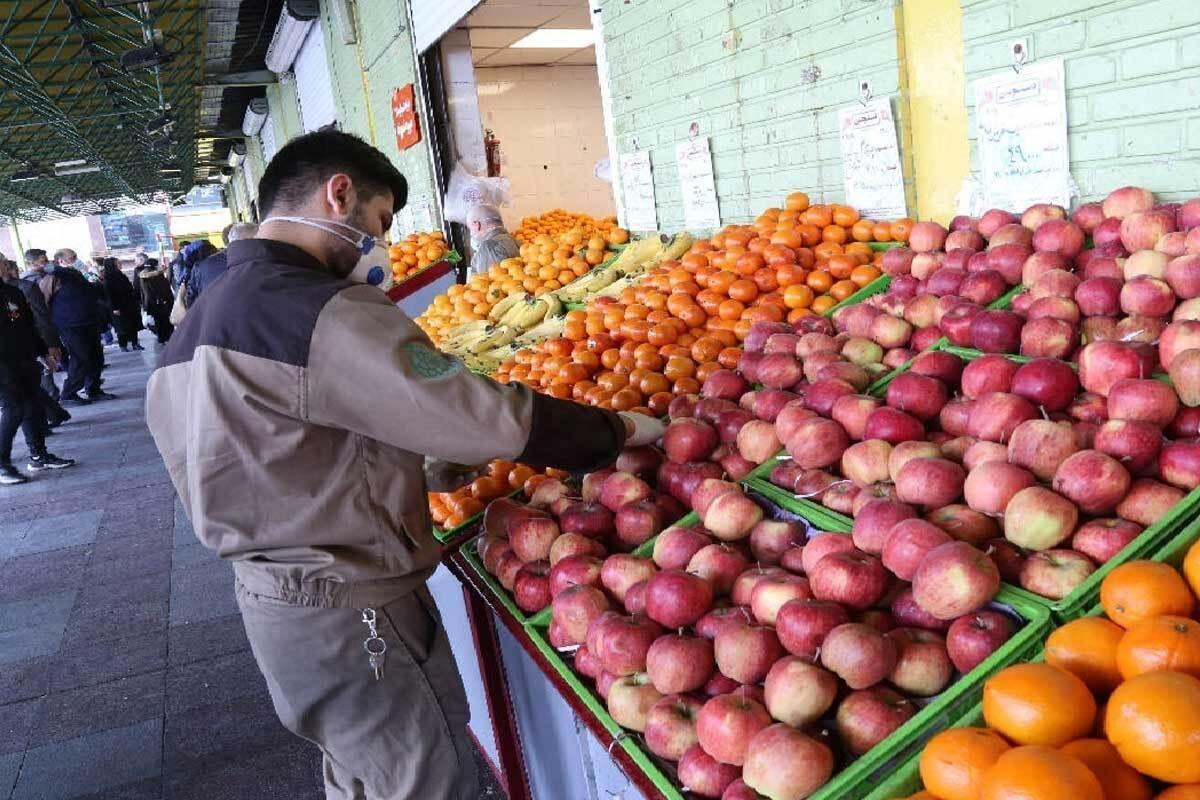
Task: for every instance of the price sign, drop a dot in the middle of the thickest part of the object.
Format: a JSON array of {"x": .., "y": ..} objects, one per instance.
[
  {"x": 1022, "y": 137},
  {"x": 637, "y": 186},
  {"x": 874, "y": 179},
  {"x": 404, "y": 117},
  {"x": 700, "y": 209}
]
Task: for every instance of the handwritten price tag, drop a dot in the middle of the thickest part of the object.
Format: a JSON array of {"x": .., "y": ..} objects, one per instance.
[{"x": 874, "y": 179}]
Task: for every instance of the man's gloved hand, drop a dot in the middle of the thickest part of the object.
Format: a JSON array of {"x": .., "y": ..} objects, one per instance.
[
  {"x": 641, "y": 429},
  {"x": 444, "y": 476}
]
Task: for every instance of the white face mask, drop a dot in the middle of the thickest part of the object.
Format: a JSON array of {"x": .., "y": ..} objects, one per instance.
[{"x": 374, "y": 268}]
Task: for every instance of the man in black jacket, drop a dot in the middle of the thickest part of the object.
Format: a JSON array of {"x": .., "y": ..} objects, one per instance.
[
  {"x": 20, "y": 348},
  {"x": 48, "y": 391}
]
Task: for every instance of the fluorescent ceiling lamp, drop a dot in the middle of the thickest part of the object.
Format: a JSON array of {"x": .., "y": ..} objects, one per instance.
[
  {"x": 290, "y": 31},
  {"x": 236, "y": 154},
  {"x": 73, "y": 163},
  {"x": 557, "y": 38},
  {"x": 256, "y": 115},
  {"x": 23, "y": 175},
  {"x": 77, "y": 170}
]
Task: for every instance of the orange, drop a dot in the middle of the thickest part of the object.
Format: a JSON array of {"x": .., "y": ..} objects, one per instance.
[
  {"x": 1119, "y": 780},
  {"x": 1088, "y": 648},
  {"x": 1139, "y": 590},
  {"x": 1160, "y": 643},
  {"x": 1191, "y": 567},
  {"x": 1190, "y": 791},
  {"x": 1038, "y": 704},
  {"x": 921, "y": 795},
  {"x": 1154, "y": 722},
  {"x": 1039, "y": 773},
  {"x": 953, "y": 761}
]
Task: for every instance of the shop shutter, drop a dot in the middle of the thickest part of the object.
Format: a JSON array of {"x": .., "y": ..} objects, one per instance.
[
  {"x": 314, "y": 87},
  {"x": 266, "y": 138},
  {"x": 432, "y": 18}
]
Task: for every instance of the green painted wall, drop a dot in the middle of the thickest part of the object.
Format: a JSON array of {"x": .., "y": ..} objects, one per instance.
[
  {"x": 284, "y": 109},
  {"x": 1133, "y": 83},
  {"x": 763, "y": 78}
]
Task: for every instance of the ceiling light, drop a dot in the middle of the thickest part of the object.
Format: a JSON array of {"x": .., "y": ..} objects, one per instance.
[
  {"x": 557, "y": 38},
  {"x": 146, "y": 57},
  {"x": 170, "y": 168},
  {"x": 78, "y": 162},
  {"x": 256, "y": 115},
  {"x": 290, "y": 32},
  {"x": 23, "y": 175},
  {"x": 77, "y": 170},
  {"x": 71, "y": 198}
]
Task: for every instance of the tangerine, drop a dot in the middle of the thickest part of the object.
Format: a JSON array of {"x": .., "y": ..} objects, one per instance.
[
  {"x": 1160, "y": 643},
  {"x": 1154, "y": 722},
  {"x": 1119, "y": 780},
  {"x": 1189, "y": 791},
  {"x": 1038, "y": 704},
  {"x": 1088, "y": 648},
  {"x": 1191, "y": 567},
  {"x": 1039, "y": 773},
  {"x": 1138, "y": 590},
  {"x": 954, "y": 760}
]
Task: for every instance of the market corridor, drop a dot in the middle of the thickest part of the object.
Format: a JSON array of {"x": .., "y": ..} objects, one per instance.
[{"x": 124, "y": 670}]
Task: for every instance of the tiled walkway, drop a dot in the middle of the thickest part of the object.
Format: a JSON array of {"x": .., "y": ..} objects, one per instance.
[{"x": 124, "y": 670}]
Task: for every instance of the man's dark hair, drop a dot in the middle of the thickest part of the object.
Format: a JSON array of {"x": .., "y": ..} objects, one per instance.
[
  {"x": 225, "y": 233},
  {"x": 33, "y": 254},
  {"x": 309, "y": 160}
]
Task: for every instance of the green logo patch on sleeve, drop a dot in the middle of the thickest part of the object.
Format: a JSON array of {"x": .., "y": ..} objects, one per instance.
[{"x": 429, "y": 363}]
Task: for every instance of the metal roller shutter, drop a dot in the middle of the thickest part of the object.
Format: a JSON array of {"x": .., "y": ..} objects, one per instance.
[
  {"x": 314, "y": 89},
  {"x": 266, "y": 138},
  {"x": 432, "y": 18}
]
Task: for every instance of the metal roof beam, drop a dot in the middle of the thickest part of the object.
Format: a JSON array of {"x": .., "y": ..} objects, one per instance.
[{"x": 257, "y": 77}]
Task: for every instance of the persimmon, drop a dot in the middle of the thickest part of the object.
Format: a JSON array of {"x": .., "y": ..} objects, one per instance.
[
  {"x": 706, "y": 369},
  {"x": 765, "y": 280},
  {"x": 729, "y": 357},
  {"x": 730, "y": 309},
  {"x": 790, "y": 238},
  {"x": 1142, "y": 589},
  {"x": 790, "y": 274},
  {"x": 679, "y": 367},
  {"x": 685, "y": 385},
  {"x": 1087, "y": 648},
  {"x": 882, "y": 232},
  {"x": 1190, "y": 791},
  {"x": 764, "y": 313},
  {"x": 862, "y": 230},
  {"x": 1038, "y": 704},
  {"x": 1038, "y": 772},
  {"x": 626, "y": 399},
  {"x": 819, "y": 281},
  {"x": 826, "y": 250},
  {"x": 864, "y": 274},
  {"x": 842, "y": 289},
  {"x": 834, "y": 233},
  {"x": 653, "y": 383},
  {"x": 1191, "y": 567},
  {"x": 840, "y": 266},
  {"x": 743, "y": 290},
  {"x": 724, "y": 335},
  {"x": 706, "y": 348},
  {"x": 697, "y": 315},
  {"x": 575, "y": 330},
  {"x": 953, "y": 762},
  {"x": 901, "y": 228},
  {"x": 1160, "y": 643},
  {"x": 810, "y": 235},
  {"x": 559, "y": 390},
  {"x": 776, "y": 254},
  {"x": 649, "y": 361},
  {"x": 741, "y": 329},
  {"x": 823, "y": 304},
  {"x": 796, "y": 201},
  {"x": 1154, "y": 722},
  {"x": 579, "y": 391},
  {"x": 573, "y": 373},
  {"x": 819, "y": 215},
  {"x": 844, "y": 216}
]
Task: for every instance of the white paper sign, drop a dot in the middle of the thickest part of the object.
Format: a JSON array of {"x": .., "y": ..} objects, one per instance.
[
  {"x": 1022, "y": 137},
  {"x": 637, "y": 186},
  {"x": 700, "y": 209},
  {"x": 874, "y": 179}
]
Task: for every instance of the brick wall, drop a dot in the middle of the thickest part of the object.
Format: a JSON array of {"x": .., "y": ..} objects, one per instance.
[
  {"x": 763, "y": 78},
  {"x": 1133, "y": 83},
  {"x": 551, "y": 131}
]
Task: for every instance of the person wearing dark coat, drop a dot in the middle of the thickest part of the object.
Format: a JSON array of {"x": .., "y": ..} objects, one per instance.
[
  {"x": 20, "y": 348},
  {"x": 47, "y": 390},
  {"x": 123, "y": 300},
  {"x": 155, "y": 295}
]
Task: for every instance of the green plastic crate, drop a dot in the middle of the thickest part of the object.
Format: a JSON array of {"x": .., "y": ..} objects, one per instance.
[
  {"x": 820, "y": 516},
  {"x": 501, "y": 594},
  {"x": 877, "y": 286}
]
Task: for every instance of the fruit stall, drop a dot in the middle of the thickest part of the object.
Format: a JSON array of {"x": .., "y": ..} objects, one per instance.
[{"x": 918, "y": 485}]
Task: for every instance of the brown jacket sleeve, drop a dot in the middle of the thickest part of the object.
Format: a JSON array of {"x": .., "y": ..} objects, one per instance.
[{"x": 373, "y": 371}]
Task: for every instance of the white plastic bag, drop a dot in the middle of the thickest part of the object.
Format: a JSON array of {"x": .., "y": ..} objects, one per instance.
[{"x": 466, "y": 190}]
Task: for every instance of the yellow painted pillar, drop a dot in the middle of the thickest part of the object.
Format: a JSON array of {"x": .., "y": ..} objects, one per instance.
[{"x": 933, "y": 87}]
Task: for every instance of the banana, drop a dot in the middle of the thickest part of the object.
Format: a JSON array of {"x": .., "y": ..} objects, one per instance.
[
  {"x": 554, "y": 306},
  {"x": 680, "y": 244},
  {"x": 504, "y": 305},
  {"x": 549, "y": 328},
  {"x": 496, "y": 337},
  {"x": 516, "y": 311}
]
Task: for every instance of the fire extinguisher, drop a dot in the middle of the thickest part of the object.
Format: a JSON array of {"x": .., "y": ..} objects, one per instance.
[{"x": 491, "y": 146}]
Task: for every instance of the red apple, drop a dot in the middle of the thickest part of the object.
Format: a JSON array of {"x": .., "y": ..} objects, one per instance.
[
  {"x": 917, "y": 394},
  {"x": 620, "y": 571},
  {"x": 1039, "y": 519},
  {"x": 955, "y": 579},
  {"x": 531, "y": 586},
  {"x": 675, "y": 546},
  {"x": 1135, "y": 444},
  {"x": 798, "y": 692},
  {"x": 921, "y": 311},
  {"x": 772, "y": 592},
  {"x": 719, "y": 565},
  {"x": 1099, "y": 297},
  {"x": 760, "y": 332},
  {"x": 1092, "y": 480},
  {"x": 778, "y": 371},
  {"x": 811, "y": 343},
  {"x": 945, "y": 281},
  {"x": 1040, "y": 214},
  {"x": 624, "y": 644},
  {"x": 1127, "y": 200},
  {"x": 587, "y": 664},
  {"x": 1179, "y": 464},
  {"x": 956, "y": 323},
  {"x": 923, "y": 666},
  {"x": 675, "y": 599},
  {"x": 1055, "y": 573},
  {"x": 978, "y": 452},
  {"x": 992, "y": 373},
  {"x": 974, "y": 637},
  {"x": 575, "y": 570},
  {"x": 873, "y": 524},
  {"x": 729, "y": 423},
  {"x": 1008, "y": 258},
  {"x": 904, "y": 452},
  {"x": 955, "y": 416},
  {"x": 926, "y": 237},
  {"x": 785, "y": 764},
  {"x": 671, "y": 726},
  {"x": 992, "y": 220},
  {"x": 746, "y": 653},
  {"x": 677, "y": 663},
  {"x": 996, "y": 415},
  {"x": 907, "y": 545},
  {"x": 983, "y": 287},
  {"x": 770, "y": 539},
  {"x": 822, "y": 544},
  {"x": 718, "y": 619},
  {"x": 821, "y": 442},
  {"x": 1147, "y": 296},
  {"x": 1176, "y": 338},
  {"x": 930, "y": 482},
  {"x": 682, "y": 405},
  {"x": 1151, "y": 263},
  {"x": 1040, "y": 446},
  {"x": 1142, "y": 400},
  {"x": 907, "y": 613},
  {"x": 731, "y": 515},
  {"x": 1046, "y": 382},
  {"x": 803, "y": 624},
  {"x": 888, "y": 424},
  {"x": 1101, "y": 539},
  {"x": 630, "y": 699},
  {"x": 866, "y": 462},
  {"x": 757, "y": 442},
  {"x": 1059, "y": 236},
  {"x": 704, "y": 775},
  {"x": 855, "y": 579},
  {"x": 1147, "y": 501},
  {"x": 687, "y": 439},
  {"x": 964, "y": 523},
  {"x": 637, "y": 523},
  {"x": 858, "y": 654},
  {"x": 1185, "y": 376},
  {"x": 1183, "y": 274},
  {"x": 1141, "y": 230},
  {"x": 1040, "y": 263},
  {"x": 851, "y": 411},
  {"x": 532, "y": 537},
  {"x": 576, "y": 607}
]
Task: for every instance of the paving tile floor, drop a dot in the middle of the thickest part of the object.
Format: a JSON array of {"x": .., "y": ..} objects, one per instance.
[{"x": 125, "y": 673}]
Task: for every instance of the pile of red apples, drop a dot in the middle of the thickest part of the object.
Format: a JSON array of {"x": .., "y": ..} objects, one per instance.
[{"x": 762, "y": 655}]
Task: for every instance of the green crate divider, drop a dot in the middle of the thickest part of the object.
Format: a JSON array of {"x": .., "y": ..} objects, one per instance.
[
  {"x": 505, "y": 599},
  {"x": 881, "y": 247},
  {"x": 877, "y": 286},
  {"x": 820, "y": 516},
  {"x": 1005, "y": 300}
]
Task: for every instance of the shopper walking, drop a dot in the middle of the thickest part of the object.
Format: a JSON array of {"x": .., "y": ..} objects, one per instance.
[
  {"x": 20, "y": 349},
  {"x": 155, "y": 295},
  {"x": 301, "y": 387},
  {"x": 490, "y": 243},
  {"x": 48, "y": 393},
  {"x": 214, "y": 266},
  {"x": 123, "y": 300},
  {"x": 75, "y": 309}
]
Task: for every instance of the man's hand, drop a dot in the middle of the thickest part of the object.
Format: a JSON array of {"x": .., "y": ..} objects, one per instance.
[
  {"x": 443, "y": 476},
  {"x": 641, "y": 429}
]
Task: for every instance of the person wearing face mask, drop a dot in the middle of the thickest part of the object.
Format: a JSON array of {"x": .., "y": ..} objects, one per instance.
[
  {"x": 299, "y": 413},
  {"x": 490, "y": 243}
]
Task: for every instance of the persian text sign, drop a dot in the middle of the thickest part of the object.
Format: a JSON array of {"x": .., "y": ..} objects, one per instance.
[{"x": 874, "y": 179}]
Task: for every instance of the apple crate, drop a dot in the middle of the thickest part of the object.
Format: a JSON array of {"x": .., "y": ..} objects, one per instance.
[
  {"x": 907, "y": 779},
  {"x": 877, "y": 286},
  {"x": 1076, "y": 604},
  {"x": 499, "y": 593},
  {"x": 815, "y": 513}
]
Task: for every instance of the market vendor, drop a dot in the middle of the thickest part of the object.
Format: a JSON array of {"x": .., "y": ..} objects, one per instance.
[
  {"x": 490, "y": 243},
  {"x": 298, "y": 412}
]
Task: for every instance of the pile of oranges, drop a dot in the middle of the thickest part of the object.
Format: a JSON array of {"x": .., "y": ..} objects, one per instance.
[
  {"x": 557, "y": 221},
  {"x": 547, "y": 262},
  {"x": 451, "y": 509},
  {"x": 687, "y": 318},
  {"x": 415, "y": 252},
  {"x": 1114, "y": 712}
]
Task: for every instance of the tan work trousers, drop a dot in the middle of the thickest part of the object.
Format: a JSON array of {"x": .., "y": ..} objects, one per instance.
[{"x": 400, "y": 737}]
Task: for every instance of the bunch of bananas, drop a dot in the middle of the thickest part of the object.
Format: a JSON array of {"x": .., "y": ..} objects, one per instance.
[
  {"x": 524, "y": 311},
  {"x": 635, "y": 260}
]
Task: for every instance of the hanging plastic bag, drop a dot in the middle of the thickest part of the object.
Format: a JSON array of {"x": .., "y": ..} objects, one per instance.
[{"x": 466, "y": 190}]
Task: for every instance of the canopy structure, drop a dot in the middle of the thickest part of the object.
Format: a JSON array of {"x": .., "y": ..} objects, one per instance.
[{"x": 111, "y": 103}]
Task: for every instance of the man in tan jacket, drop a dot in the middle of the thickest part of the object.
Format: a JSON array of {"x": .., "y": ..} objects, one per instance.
[{"x": 296, "y": 408}]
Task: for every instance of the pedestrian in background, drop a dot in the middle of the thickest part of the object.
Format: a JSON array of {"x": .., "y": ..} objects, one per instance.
[
  {"x": 214, "y": 266},
  {"x": 75, "y": 308},
  {"x": 155, "y": 295},
  {"x": 123, "y": 300},
  {"x": 490, "y": 242},
  {"x": 48, "y": 393}
]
